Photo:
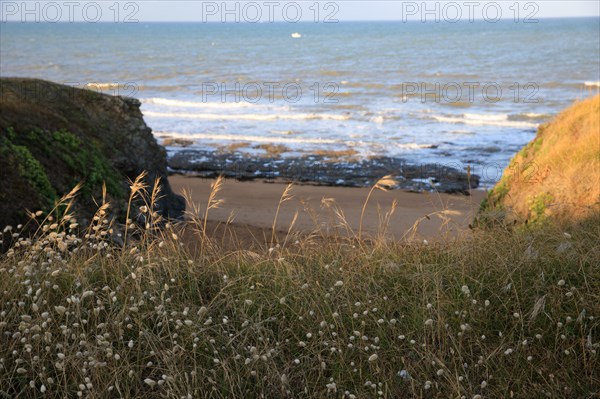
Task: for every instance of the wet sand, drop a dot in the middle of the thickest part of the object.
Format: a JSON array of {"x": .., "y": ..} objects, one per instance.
[{"x": 251, "y": 208}]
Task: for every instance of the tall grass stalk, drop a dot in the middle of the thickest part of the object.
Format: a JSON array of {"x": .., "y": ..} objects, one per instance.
[{"x": 381, "y": 184}]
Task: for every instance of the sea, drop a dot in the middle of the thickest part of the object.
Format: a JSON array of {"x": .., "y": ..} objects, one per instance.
[{"x": 470, "y": 93}]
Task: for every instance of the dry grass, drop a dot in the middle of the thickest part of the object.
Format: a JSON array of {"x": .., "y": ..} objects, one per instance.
[
  {"x": 558, "y": 173},
  {"x": 498, "y": 314}
]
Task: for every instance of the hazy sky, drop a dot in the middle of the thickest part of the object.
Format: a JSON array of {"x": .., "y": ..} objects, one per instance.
[
  {"x": 352, "y": 10},
  {"x": 298, "y": 10}
]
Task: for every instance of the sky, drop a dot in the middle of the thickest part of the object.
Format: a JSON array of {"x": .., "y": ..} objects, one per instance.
[{"x": 253, "y": 11}]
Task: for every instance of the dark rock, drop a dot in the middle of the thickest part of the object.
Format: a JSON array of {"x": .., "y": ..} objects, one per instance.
[
  {"x": 319, "y": 170},
  {"x": 74, "y": 135}
]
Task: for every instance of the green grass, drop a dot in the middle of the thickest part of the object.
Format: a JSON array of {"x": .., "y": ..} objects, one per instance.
[
  {"x": 538, "y": 206},
  {"x": 64, "y": 156},
  {"x": 29, "y": 168},
  {"x": 497, "y": 313}
]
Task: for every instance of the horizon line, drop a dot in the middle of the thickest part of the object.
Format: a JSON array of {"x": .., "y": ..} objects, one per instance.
[{"x": 293, "y": 23}]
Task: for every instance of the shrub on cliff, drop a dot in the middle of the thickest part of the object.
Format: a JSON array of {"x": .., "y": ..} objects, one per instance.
[
  {"x": 68, "y": 161},
  {"x": 54, "y": 136}
]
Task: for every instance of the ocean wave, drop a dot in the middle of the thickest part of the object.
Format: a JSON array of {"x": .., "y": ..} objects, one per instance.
[
  {"x": 379, "y": 119},
  {"x": 127, "y": 89},
  {"x": 458, "y": 104},
  {"x": 530, "y": 115},
  {"x": 351, "y": 107},
  {"x": 572, "y": 84},
  {"x": 486, "y": 117},
  {"x": 196, "y": 104},
  {"x": 248, "y": 138},
  {"x": 216, "y": 138},
  {"x": 283, "y": 132},
  {"x": 253, "y": 117},
  {"x": 485, "y": 120},
  {"x": 328, "y": 72},
  {"x": 102, "y": 85},
  {"x": 415, "y": 146}
]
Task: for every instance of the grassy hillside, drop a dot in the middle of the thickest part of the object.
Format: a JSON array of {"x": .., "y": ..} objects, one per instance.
[
  {"x": 500, "y": 313},
  {"x": 557, "y": 174}
]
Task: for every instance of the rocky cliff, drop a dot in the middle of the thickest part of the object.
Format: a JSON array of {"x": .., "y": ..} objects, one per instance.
[
  {"x": 557, "y": 175},
  {"x": 54, "y": 136}
]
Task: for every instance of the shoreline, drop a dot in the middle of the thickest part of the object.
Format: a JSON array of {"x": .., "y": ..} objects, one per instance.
[
  {"x": 250, "y": 208},
  {"x": 328, "y": 169}
]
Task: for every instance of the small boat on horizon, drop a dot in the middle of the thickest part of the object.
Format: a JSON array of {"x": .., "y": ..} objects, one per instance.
[{"x": 296, "y": 35}]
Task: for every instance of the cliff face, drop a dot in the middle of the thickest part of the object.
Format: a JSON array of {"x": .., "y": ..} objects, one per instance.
[
  {"x": 557, "y": 175},
  {"x": 53, "y": 136}
]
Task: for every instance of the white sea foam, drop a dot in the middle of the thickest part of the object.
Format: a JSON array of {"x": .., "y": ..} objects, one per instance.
[
  {"x": 253, "y": 117},
  {"x": 248, "y": 138},
  {"x": 377, "y": 119},
  {"x": 413, "y": 146},
  {"x": 113, "y": 85},
  {"x": 487, "y": 117},
  {"x": 196, "y": 104},
  {"x": 485, "y": 120},
  {"x": 592, "y": 83},
  {"x": 208, "y": 137}
]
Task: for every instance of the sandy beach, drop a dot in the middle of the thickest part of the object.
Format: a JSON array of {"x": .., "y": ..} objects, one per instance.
[{"x": 252, "y": 206}]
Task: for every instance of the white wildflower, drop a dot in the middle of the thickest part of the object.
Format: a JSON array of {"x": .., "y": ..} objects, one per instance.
[{"x": 150, "y": 382}]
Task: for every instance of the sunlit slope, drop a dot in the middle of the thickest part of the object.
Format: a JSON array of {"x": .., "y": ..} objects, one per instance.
[{"x": 557, "y": 175}]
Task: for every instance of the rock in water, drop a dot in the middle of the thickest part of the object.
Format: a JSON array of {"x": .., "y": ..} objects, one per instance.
[{"x": 53, "y": 136}]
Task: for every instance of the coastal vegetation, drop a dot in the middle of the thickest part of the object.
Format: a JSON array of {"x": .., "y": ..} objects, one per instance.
[
  {"x": 557, "y": 174},
  {"x": 159, "y": 308},
  {"x": 70, "y": 159},
  {"x": 496, "y": 313},
  {"x": 54, "y": 136}
]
